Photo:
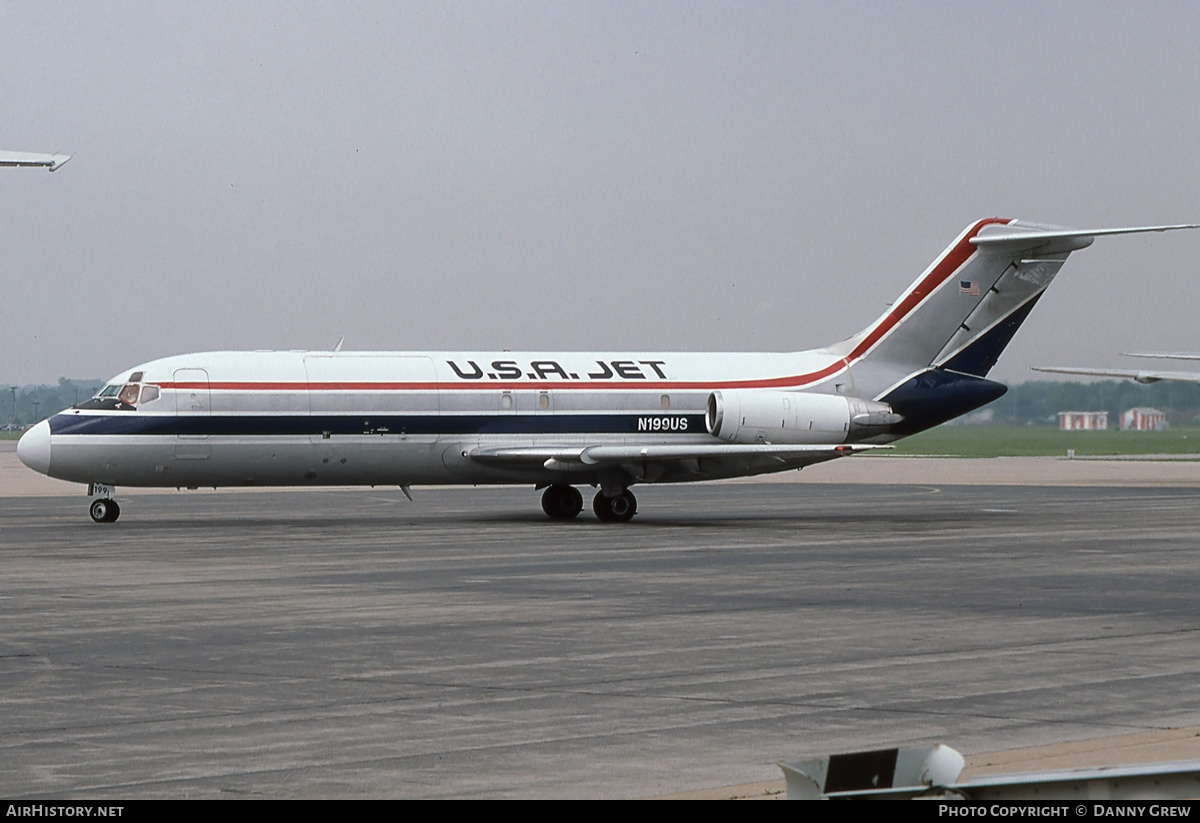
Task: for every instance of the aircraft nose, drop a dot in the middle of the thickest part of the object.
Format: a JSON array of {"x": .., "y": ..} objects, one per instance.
[{"x": 34, "y": 447}]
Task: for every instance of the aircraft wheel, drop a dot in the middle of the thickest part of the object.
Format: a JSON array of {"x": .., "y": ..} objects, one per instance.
[
  {"x": 619, "y": 509},
  {"x": 104, "y": 511},
  {"x": 562, "y": 502}
]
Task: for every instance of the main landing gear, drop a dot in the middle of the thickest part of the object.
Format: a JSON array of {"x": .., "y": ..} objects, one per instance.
[
  {"x": 618, "y": 509},
  {"x": 103, "y": 508},
  {"x": 563, "y": 502}
]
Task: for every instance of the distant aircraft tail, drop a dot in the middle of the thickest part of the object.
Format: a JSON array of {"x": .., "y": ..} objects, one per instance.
[{"x": 929, "y": 353}]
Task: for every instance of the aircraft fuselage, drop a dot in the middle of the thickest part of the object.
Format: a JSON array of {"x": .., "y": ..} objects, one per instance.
[{"x": 379, "y": 418}]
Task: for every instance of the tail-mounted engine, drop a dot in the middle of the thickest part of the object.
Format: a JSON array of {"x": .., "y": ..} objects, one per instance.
[{"x": 760, "y": 416}]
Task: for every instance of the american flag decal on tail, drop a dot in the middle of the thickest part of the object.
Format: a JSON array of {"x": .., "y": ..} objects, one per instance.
[{"x": 968, "y": 287}]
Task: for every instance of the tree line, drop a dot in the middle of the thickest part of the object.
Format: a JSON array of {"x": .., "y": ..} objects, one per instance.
[
  {"x": 1039, "y": 402},
  {"x": 22, "y": 406}
]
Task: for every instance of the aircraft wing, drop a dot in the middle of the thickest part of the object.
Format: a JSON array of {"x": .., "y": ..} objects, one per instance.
[
  {"x": 639, "y": 459},
  {"x": 1162, "y": 355},
  {"x": 24, "y": 158},
  {"x": 1140, "y": 375}
]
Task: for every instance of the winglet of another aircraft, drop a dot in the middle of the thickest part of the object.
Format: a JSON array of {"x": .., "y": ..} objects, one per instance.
[{"x": 53, "y": 162}]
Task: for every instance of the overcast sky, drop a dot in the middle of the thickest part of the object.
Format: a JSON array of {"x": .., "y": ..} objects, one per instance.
[{"x": 575, "y": 176}]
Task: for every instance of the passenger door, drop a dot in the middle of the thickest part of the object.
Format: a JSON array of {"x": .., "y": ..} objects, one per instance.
[{"x": 193, "y": 413}]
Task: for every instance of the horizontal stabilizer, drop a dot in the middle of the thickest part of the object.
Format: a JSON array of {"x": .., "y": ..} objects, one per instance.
[
  {"x": 1140, "y": 375},
  {"x": 1006, "y": 239}
]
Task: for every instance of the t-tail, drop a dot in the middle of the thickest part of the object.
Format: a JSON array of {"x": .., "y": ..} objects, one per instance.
[{"x": 929, "y": 355}]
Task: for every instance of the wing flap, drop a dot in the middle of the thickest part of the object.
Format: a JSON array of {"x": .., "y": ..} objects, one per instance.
[
  {"x": 583, "y": 457},
  {"x": 526, "y": 455},
  {"x": 619, "y": 454}
]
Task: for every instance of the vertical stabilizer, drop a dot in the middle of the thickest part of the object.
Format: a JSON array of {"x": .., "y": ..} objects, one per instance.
[{"x": 928, "y": 353}]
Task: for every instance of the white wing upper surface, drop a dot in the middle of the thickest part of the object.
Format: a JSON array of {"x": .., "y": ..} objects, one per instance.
[
  {"x": 22, "y": 158},
  {"x": 1140, "y": 375},
  {"x": 700, "y": 460}
]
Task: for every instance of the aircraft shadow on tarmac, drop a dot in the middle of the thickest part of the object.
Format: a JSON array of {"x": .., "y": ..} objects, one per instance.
[{"x": 900, "y": 507}]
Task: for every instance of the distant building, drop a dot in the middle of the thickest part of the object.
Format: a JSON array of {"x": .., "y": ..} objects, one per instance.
[
  {"x": 1083, "y": 421},
  {"x": 1142, "y": 419}
]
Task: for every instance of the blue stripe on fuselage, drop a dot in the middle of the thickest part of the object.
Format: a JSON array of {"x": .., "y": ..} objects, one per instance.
[{"x": 374, "y": 424}]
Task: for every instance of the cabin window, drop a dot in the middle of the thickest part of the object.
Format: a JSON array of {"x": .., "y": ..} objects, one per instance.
[
  {"x": 665, "y": 401},
  {"x": 543, "y": 401},
  {"x": 506, "y": 400}
]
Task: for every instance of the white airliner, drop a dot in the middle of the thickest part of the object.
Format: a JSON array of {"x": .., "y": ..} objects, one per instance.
[{"x": 557, "y": 420}]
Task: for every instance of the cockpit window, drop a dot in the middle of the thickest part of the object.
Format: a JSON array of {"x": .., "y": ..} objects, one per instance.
[{"x": 121, "y": 398}]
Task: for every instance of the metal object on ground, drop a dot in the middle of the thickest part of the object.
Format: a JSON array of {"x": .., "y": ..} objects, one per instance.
[{"x": 932, "y": 772}]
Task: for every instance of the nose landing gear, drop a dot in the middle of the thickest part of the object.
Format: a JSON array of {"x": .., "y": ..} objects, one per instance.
[{"x": 103, "y": 508}]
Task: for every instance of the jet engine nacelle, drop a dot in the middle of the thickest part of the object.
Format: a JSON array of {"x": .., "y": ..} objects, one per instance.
[{"x": 761, "y": 416}]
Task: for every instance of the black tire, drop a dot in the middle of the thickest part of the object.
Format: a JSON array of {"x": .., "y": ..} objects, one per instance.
[
  {"x": 562, "y": 502},
  {"x": 104, "y": 511},
  {"x": 618, "y": 509}
]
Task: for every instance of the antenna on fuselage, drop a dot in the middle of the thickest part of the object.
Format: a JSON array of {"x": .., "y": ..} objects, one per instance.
[{"x": 341, "y": 340}]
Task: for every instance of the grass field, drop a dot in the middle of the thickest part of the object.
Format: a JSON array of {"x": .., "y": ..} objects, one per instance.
[{"x": 1037, "y": 441}]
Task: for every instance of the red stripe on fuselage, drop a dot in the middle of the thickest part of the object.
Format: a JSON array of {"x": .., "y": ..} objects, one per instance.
[
  {"x": 949, "y": 263},
  {"x": 627, "y": 383}
]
